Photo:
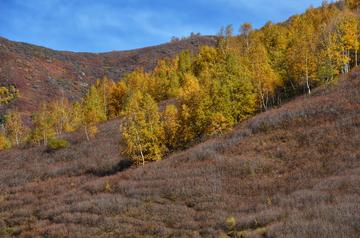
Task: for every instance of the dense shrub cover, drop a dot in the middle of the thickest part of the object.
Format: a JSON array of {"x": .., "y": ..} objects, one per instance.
[{"x": 292, "y": 171}]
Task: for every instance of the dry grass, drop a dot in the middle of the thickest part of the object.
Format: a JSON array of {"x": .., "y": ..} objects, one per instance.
[
  {"x": 42, "y": 74},
  {"x": 290, "y": 172}
]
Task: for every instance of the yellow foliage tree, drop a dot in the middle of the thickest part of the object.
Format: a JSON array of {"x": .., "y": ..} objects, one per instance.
[
  {"x": 275, "y": 39},
  {"x": 92, "y": 111},
  {"x": 167, "y": 79},
  {"x": 263, "y": 76},
  {"x": 117, "y": 99},
  {"x": 347, "y": 31},
  {"x": 301, "y": 57},
  {"x": 142, "y": 130},
  {"x": 339, "y": 41},
  {"x": 193, "y": 110},
  {"x": 139, "y": 80},
  {"x": 352, "y": 4},
  {"x": 105, "y": 87},
  {"x": 170, "y": 120},
  {"x": 15, "y": 128},
  {"x": 4, "y": 142},
  {"x": 43, "y": 125},
  {"x": 61, "y": 113},
  {"x": 218, "y": 124},
  {"x": 7, "y": 94}
]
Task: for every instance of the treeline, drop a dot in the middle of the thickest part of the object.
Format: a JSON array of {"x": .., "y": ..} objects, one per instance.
[
  {"x": 308, "y": 50},
  {"x": 55, "y": 118},
  {"x": 194, "y": 96}
]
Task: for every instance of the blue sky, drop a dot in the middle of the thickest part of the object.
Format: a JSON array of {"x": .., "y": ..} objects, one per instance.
[{"x": 105, "y": 25}]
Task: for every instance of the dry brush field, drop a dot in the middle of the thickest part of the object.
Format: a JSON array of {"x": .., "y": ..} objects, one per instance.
[{"x": 293, "y": 171}]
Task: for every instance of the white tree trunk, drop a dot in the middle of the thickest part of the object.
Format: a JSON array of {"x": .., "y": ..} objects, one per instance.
[
  {"x": 44, "y": 137},
  {"x": 17, "y": 138},
  {"x": 140, "y": 147},
  {"x": 86, "y": 133},
  {"x": 356, "y": 57},
  {"x": 105, "y": 102},
  {"x": 307, "y": 76}
]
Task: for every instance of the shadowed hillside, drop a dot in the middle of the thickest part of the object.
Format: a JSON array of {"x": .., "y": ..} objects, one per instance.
[
  {"x": 289, "y": 172},
  {"x": 42, "y": 74}
]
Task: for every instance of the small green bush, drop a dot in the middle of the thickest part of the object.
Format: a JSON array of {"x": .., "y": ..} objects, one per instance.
[
  {"x": 57, "y": 144},
  {"x": 4, "y": 142},
  {"x": 7, "y": 232},
  {"x": 231, "y": 223}
]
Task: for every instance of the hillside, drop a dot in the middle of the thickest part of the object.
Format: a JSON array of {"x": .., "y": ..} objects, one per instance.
[
  {"x": 256, "y": 137},
  {"x": 42, "y": 74},
  {"x": 289, "y": 172}
]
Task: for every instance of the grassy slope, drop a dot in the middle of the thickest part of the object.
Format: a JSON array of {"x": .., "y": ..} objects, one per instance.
[
  {"x": 43, "y": 74},
  {"x": 289, "y": 172}
]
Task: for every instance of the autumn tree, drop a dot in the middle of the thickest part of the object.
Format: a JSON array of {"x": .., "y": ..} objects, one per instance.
[
  {"x": 330, "y": 58},
  {"x": 226, "y": 32},
  {"x": 43, "y": 125},
  {"x": 62, "y": 115},
  {"x": 184, "y": 62},
  {"x": 193, "y": 110},
  {"x": 339, "y": 46},
  {"x": 139, "y": 80},
  {"x": 275, "y": 39},
  {"x": 229, "y": 31},
  {"x": 218, "y": 124},
  {"x": 225, "y": 87},
  {"x": 142, "y": 130},
  {"x": 352, "y": 4},
  {"x": 264, "y": 78},
  {"x": 92, "y": 111},
  {"x": 301, "y": 57},
  {"x": 15, "y": 128},
  {"x": 76, "y": 117},
  {"x": 117, "y": 99},
  {"x": 105, "y": 87},
  {"x": 347, "y": 34},
  {"x": 171, "y": 124},
  {"x": 166, "y": 74},
  {"x": 245, "y": 30},
  {"x": 241, "y": 93},
  {"x": 7, "y": 94},
  {"x": 4, "y": 142}
]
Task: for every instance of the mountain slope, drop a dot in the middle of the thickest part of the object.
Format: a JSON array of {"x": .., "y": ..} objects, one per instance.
[
  {"x": 293, "y": 171},
  {"x": 43, "y": 74}
]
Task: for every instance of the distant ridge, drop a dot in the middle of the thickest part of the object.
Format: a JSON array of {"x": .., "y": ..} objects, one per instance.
[{"x": 42, "y": 74}]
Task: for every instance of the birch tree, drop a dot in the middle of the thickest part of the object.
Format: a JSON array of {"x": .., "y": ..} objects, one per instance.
[
  {"x": 301, "y": 56},
  {"x": 142, "y": 130},
  {"x": 92, "y": 112},
  {"x": 15, "y": 128}
]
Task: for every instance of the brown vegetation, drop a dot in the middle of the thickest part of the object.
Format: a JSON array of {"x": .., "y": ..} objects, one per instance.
[
  {"x": 289, "y": 172},
  {"x": 42, "y": 74}
]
